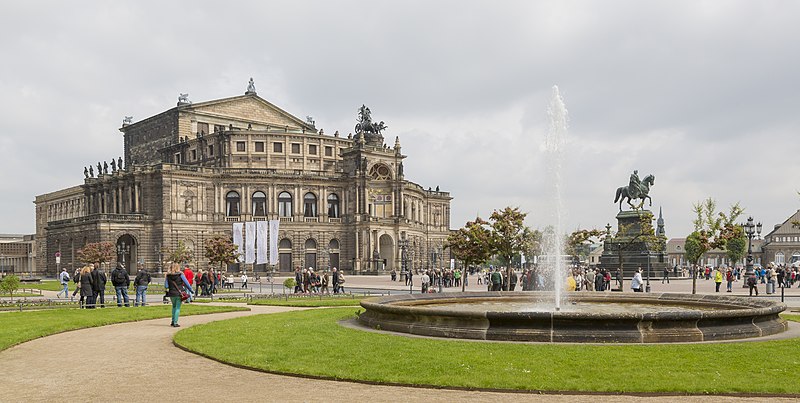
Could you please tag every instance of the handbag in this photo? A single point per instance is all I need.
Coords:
(184, 294)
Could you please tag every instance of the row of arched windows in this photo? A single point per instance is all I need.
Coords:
(259, 204)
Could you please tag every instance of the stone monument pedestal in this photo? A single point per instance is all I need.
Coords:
(634, 245)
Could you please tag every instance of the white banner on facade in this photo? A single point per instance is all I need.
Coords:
(522, 260)
(261, 241)
(238, 239)
(273, 241)
(452, 264)
(249, 242)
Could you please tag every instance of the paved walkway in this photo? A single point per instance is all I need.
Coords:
(138, 362)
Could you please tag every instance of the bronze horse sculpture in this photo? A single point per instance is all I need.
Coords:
(624, 192)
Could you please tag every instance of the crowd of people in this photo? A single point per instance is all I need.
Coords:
(91, 280)
(308, 281)
(773, 277)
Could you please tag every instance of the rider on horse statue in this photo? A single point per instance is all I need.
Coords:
(635, 187)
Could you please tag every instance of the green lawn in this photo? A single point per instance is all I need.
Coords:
(19, 327)
(309, 301)
(313, 343)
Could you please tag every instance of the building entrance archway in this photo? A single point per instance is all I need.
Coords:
(386, 246)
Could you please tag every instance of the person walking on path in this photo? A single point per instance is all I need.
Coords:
(189, 274)
(99, 280)
(325, 282)
(175, 283)
(636, 282)
(244, 280)
(64, 279)
(140, 283)
(86, 287)
(717, 278)
(666, 276)
(729, 277)
(121, 280)
(752, 282)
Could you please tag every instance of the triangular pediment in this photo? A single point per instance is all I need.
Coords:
(787, 227)
(249, 108)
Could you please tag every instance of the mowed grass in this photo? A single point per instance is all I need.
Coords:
(310, 301)
(19, 327)
(313, 343)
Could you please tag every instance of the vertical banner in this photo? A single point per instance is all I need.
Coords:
(238, 239)
(250, 242)
(273, 241)
(452, 264)
(261, 241)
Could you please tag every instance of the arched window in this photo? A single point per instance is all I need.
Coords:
(309, 205)
(780, 258)
(333, 205)
(285, 244)
(259, 204)
(232, 203)
(285, 204)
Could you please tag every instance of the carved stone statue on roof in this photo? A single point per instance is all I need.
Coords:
(251, 87)
(85, 172)
(119, 163)
(91, 172)
(113, 165)
(370, 130)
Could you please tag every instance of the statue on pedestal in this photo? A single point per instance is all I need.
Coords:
(636, 189)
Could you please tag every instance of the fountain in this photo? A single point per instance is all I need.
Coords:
(553, 263)
(598, 317)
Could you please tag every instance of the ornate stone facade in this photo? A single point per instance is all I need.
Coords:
(193, 170)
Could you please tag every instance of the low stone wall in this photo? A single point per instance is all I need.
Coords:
(721, 318)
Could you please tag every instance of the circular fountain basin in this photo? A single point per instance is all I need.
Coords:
(594, 317)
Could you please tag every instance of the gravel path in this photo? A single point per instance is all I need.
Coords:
(137, 362)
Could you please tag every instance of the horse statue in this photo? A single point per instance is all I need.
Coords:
(625, 192)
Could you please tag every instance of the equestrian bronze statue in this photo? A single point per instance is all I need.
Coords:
(636, 189)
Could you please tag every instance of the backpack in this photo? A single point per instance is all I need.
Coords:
(118, 276)
(65, 277)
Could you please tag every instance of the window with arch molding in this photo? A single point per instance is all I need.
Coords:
(285, 204)
(333, 205)
(259, 204)
(310, 205)
(780, 258)
(232, 200)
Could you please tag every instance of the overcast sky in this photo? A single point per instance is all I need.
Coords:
(704, 95)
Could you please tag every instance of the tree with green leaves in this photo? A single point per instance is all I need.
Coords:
(510, 236)
(472, 244)
(181, 254)
(713, 230)
(97, 253)
(578, 241)
(221, 250)
(9, 285)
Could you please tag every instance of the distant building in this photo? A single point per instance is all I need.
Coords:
(17, 255)
(782, 244)
(193, 170)
(676, 255)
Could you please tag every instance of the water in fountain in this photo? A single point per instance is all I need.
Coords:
(553, 242)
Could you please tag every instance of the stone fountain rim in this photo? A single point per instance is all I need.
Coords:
(730, 306)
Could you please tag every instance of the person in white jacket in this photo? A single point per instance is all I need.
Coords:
(636, 283)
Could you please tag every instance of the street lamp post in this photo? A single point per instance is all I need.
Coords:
(157, 250)
(750, 230)
(122, 249)
(404, 259)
